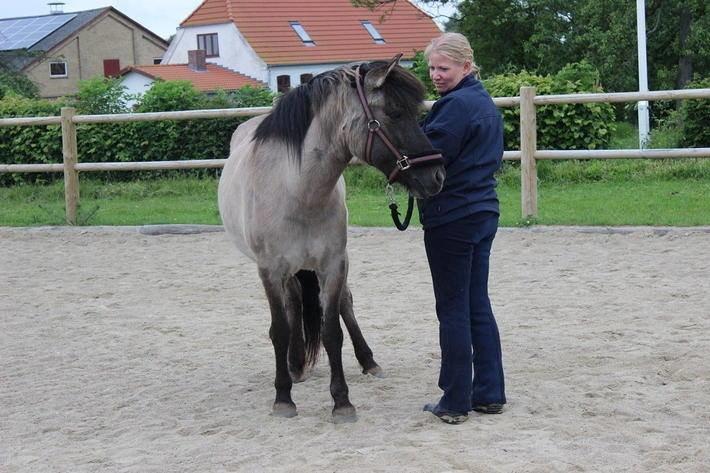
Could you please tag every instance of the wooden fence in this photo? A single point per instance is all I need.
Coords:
(528, 154)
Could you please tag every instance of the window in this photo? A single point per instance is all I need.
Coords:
(111, 67)
(157, 60)
(306, 77)
(58, 69)
(373, 32)
(301, 32)
(283, 84)
(208, 43)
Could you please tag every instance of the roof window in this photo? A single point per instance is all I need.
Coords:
(301, 32)
(376, 36)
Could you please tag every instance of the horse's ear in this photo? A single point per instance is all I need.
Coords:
(378, 76)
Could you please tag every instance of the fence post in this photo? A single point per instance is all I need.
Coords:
(528, 146)
(71, 176)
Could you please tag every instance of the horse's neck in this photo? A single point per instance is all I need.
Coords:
(324, 160)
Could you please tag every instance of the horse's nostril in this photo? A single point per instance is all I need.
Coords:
(440, 176)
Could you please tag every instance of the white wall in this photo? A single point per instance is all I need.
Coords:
(295, 71)
(136, 84)
(234, 52)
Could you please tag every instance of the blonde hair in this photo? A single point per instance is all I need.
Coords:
(454, 46)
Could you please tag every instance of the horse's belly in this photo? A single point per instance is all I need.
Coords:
(233, 194)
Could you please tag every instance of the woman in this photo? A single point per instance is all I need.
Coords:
(460, 224)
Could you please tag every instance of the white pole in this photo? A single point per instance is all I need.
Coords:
(644, 126)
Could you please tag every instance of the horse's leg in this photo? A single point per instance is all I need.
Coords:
(279, 333)
(296, 348)
(332, 284)
(362, 350)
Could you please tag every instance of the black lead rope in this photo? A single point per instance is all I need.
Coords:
(401, 226)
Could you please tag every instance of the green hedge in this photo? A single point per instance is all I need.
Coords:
(586, 126)
(29, 144)
(137, 141)
(695, 116)
(568, 126)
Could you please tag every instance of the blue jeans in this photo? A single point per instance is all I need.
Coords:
(471, 361)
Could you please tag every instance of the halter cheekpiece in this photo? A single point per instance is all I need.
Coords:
(374, 127)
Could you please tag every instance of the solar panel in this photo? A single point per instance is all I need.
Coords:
(18, 33)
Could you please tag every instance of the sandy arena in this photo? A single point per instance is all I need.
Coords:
(128, 350)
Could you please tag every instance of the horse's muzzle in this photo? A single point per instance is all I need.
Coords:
(428, 158)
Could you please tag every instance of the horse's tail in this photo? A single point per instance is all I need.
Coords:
(312, 314)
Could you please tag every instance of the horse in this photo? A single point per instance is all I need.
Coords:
(282, 202)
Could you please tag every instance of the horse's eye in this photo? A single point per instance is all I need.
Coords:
(394, 115)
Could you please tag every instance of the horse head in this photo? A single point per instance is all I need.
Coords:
(386, 133)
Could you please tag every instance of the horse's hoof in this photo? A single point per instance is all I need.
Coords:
(345, 414)
(283, 409)
(375, 371)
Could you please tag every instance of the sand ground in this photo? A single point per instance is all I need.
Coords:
(129, 350)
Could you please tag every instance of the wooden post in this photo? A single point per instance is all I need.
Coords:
(71, 176)
(528, 146)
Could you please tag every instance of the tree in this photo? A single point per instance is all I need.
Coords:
(385, 6)
(680, 43)
(542, 36)
(12, 80)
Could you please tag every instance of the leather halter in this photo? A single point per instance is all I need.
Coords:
(374, 127)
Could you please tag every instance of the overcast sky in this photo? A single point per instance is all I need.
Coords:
(160, 16)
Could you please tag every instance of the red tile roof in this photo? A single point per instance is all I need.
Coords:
(215, 77)
(334, 25)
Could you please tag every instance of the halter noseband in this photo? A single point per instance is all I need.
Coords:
(374, 127)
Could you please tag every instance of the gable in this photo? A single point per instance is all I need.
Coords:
(335, 27)
(54, 38)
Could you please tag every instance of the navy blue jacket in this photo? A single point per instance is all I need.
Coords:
(468, 129)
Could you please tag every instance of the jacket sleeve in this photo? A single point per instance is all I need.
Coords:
(447, 127)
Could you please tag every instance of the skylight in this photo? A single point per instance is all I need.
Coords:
(373, 32)
(301, 32)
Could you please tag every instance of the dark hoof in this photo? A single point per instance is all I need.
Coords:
(345, 414)
(375, 371)
(283, 409)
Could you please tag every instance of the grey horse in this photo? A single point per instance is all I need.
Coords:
(282, 202)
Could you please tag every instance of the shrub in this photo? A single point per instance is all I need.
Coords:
(560, 126)
(100, 95)
(420, 68)
(137, 141)
(169, 95)
(695, 115)
(29, 144)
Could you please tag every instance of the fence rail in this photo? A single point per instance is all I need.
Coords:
(528, 155)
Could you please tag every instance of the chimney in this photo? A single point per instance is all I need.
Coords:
(56, 8)
(197, 60)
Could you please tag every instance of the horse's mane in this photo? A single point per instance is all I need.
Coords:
(292, 115)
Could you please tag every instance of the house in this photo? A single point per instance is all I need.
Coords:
(203, 76)
(285, 42)
(55, 51)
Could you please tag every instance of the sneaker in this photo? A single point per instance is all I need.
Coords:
(449, 417)
(488, 408)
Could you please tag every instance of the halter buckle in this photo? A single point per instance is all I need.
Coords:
(403, 163)
(374, 125)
